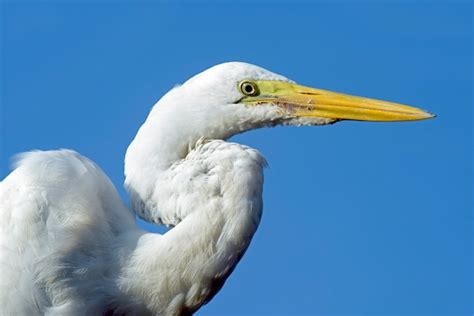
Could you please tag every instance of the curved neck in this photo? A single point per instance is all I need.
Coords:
(171, 131)
(184, 268)
(215, 219)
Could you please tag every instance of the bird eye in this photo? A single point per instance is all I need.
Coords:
(248, 88)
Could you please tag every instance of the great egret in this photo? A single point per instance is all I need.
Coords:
(69, 246)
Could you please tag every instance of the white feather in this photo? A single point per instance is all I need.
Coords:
(69, 246)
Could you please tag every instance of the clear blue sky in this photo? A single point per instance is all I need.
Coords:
(359, 218)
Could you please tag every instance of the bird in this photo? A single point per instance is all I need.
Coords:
(71, 246)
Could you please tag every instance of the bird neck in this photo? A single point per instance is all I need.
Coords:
(214, 218)
(214, 199)
(156, 147)
(188, 265)
(168, 135)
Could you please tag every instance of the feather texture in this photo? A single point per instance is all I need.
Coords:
(69, 246)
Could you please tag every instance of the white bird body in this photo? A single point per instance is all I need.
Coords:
(75, 228)
(69, 245)
(61, 219)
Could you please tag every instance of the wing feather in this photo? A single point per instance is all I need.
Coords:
(59, 212)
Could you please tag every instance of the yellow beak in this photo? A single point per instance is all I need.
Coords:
(301, 101)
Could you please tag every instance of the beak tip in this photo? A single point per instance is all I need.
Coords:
(430, 115)
(424, 115)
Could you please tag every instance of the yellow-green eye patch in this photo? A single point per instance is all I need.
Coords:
(248, 88)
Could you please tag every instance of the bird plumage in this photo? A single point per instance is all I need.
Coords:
(69, 245)
(61, 218)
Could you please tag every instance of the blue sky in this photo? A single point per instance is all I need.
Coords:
(359, 218)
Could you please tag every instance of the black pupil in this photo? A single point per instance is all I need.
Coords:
(248, 88)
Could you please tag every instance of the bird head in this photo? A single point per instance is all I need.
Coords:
(228, 99)
(233, 97)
